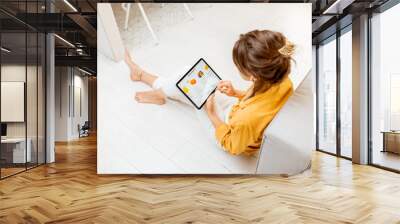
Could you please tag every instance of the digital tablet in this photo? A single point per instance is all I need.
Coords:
(198, 83)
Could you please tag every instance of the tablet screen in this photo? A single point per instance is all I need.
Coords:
(198, 83)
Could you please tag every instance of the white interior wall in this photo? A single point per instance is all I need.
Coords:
(12, 73)
(34, 125)
(67, 81)
(61, 103)
(79, 117)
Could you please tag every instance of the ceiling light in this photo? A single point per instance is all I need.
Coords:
(5, 50)
(65, 41)
(70, 5)
(84, 71)
(79, 51)
(338, 6)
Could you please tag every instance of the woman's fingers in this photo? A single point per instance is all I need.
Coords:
(222, 89)
(223, 84)
(220, 86)
(226, 87)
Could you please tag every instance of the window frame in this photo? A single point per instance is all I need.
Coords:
(27, 29)
(334, 37)
(381, 9)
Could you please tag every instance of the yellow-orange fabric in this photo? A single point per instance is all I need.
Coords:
(249, 117)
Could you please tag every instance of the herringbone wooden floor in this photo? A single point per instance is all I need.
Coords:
(69, 191)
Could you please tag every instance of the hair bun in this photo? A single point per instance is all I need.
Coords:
(288, 49)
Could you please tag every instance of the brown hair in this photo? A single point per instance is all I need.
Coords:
(264, 54)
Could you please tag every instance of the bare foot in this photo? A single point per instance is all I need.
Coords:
(136, 71)
(152, 97)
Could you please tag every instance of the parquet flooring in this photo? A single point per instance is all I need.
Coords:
(10, 171)
(70, 191)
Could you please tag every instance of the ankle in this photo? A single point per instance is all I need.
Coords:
(140, 74)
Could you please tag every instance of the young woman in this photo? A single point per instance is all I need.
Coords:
(262, 57)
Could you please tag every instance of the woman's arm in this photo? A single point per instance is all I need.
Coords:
(211, 112)
(227, 88)
(239, 93)
(234, 140)
(215, 120)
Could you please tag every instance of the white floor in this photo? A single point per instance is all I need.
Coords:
(386, 159)
(140, 138)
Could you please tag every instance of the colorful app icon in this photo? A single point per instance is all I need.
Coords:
(193, 81)
(185, 89)
(200, 74)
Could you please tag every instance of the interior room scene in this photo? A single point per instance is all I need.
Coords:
(22, 99)
(25, 65)
(59, 59)
(171, 152)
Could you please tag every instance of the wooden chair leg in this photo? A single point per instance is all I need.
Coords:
(188, 10)
(127, 8)
(147, 22)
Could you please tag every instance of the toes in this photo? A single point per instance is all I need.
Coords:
(161, 102)
(138, 99)
(137, 96)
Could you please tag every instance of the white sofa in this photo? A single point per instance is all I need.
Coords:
(289, 139)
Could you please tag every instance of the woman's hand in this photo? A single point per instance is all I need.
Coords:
(226, 88)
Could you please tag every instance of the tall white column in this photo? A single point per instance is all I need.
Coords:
(50, 99)
(360, 90)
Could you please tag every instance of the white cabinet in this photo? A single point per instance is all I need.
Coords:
(17, 148)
